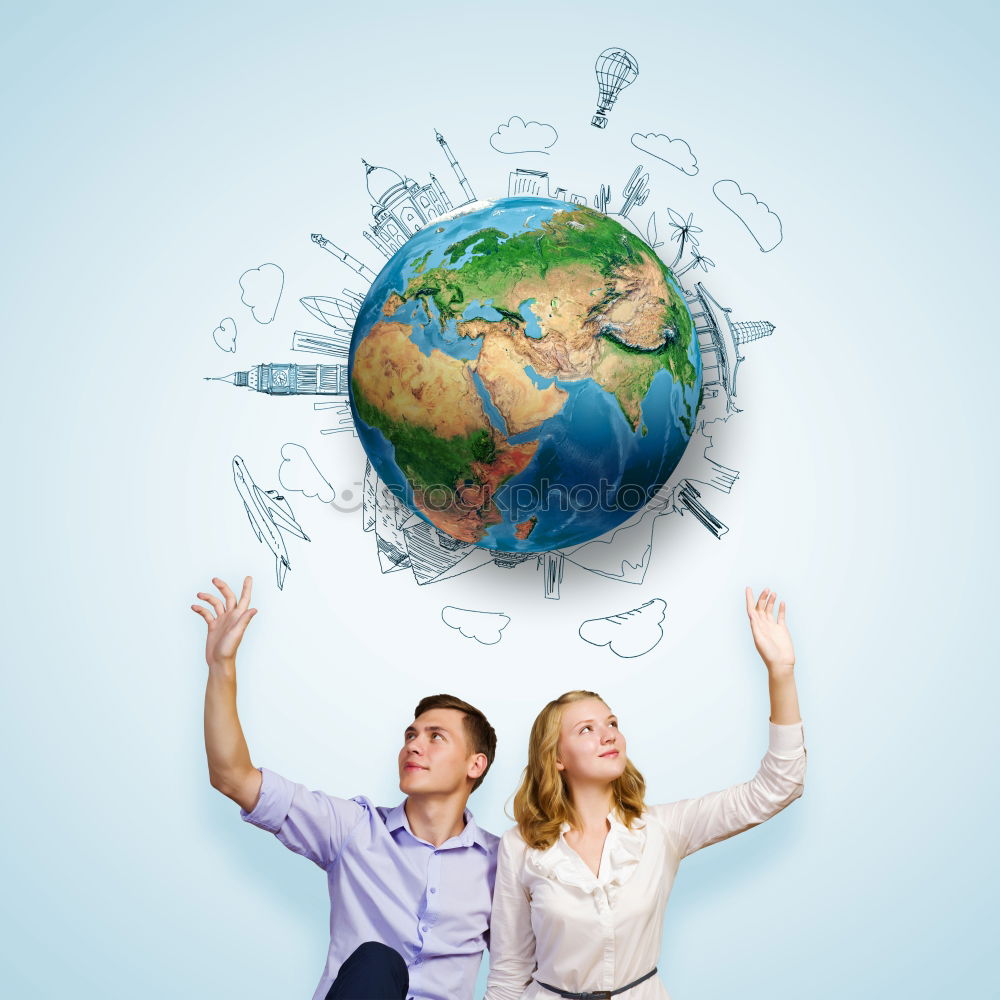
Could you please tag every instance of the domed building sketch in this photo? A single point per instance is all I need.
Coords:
(401, 206)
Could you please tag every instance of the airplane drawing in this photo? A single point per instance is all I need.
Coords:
(268, 511)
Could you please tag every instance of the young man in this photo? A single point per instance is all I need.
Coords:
(410, 887)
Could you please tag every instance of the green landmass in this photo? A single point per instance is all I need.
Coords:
(491, 240)
(421, 262)
(514, 317)
(635, 378)
(578, 236)
(426, 459)
(484, 449)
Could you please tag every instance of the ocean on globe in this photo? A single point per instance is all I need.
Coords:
(524, 374)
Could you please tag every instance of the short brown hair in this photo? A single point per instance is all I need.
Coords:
(479, 734)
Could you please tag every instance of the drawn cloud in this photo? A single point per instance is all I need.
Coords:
(519, 136)
(676, 152)
(762, 224)
(298, 474)
(261, 287)
(629, 633)
(483, 626)
(224, 335)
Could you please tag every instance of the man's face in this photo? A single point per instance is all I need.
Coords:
(436, 758)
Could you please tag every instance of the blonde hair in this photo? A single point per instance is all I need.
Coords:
(543, 803)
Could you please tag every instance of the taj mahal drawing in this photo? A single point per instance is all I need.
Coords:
(401, 206)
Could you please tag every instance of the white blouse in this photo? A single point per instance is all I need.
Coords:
(555, 922)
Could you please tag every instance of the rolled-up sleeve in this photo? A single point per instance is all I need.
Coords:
(699, 822)
(313, 824)
(512, 941)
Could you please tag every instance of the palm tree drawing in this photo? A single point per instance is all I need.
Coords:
(685, 230)
(698, 259)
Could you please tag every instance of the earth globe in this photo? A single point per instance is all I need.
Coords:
(524, 374)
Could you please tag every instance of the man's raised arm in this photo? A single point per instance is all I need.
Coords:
(230, 769)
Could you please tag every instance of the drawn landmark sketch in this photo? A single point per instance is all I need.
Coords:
(719, 339)
(528, 182)
(290, 379)
(342, 410)
(406, 541)
(402, 207)
(536, 182)
(363, 271)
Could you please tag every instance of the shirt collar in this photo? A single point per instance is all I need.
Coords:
(471, 834)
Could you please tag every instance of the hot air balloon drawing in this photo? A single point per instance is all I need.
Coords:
(615, 69)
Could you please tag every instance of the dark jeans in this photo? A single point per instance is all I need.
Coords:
(373, 971)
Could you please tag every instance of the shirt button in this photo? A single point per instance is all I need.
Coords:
(433, 890)
(423, 927)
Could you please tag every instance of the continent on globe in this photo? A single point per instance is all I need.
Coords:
(525, 375)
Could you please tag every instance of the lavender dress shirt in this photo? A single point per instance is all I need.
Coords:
(432, 904)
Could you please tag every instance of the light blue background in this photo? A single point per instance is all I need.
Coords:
(152, 153)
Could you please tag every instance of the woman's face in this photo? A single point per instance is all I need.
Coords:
(591, 746)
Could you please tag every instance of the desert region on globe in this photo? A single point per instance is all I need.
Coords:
(524, 374)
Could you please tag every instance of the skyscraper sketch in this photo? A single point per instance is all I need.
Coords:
(551, 564)
(562, 194)
(332, 310)
(536, 182)
(337, 345)
(362, 270)
(524, 182)
(342, 410)
(689, 498)
(752, 330)
(453, 163)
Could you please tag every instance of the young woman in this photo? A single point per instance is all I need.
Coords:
(583, 879)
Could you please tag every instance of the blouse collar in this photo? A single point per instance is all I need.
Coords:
(621, 856)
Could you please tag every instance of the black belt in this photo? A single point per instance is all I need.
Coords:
(596, 994)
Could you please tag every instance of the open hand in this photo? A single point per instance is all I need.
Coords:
(772, 638)
(227, 625)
